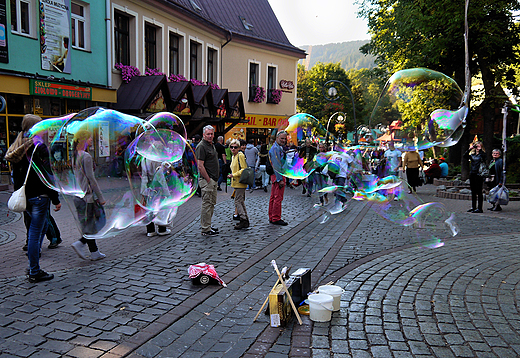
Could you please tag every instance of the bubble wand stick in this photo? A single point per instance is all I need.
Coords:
(284, 270)
(286, 291)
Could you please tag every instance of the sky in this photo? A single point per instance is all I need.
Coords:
(319, 22)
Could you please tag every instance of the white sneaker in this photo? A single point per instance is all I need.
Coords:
(79, 247)
(151, 234)
(167, 232)
(94, 256)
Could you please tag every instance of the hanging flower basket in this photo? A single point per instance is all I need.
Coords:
(259, 95)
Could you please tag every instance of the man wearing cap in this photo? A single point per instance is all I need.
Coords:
(444, 167)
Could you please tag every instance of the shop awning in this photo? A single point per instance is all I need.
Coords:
(144, 94)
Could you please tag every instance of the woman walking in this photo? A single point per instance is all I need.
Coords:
(89, 208)
(412, 162)
(238, 164)
(476, 156)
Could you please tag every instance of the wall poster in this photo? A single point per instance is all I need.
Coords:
(4, 54)
(55, 35)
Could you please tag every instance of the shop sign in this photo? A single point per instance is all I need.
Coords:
(286, 85)
(263, 121)
(4, 54)
(53, 89)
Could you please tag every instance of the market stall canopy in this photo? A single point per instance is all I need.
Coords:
(144, 94)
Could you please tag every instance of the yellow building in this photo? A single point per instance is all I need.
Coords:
(230, 43)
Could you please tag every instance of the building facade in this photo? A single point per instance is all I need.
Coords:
(53, 61)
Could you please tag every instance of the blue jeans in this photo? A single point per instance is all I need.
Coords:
(37, 209)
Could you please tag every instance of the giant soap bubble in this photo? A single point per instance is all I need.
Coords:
(426, 107)
(139, 170)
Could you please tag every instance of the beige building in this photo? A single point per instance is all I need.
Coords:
(239, 47)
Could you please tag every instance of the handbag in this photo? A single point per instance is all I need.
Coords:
(483, 170)
(18, 201)
(247, 176)
(96, 218)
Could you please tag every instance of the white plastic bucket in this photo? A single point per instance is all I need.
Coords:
(335, 292)
(320, 307)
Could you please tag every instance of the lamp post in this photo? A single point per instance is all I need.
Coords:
(332, 95)
(341, 119)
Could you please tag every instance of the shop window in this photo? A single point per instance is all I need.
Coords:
(122, 38)
(80, 25)
(254, 79)
(18, 104)
(150, 46)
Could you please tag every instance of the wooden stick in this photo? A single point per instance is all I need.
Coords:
(287, 292)
(267, 298)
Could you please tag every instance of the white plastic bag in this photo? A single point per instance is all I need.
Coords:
(18, 202)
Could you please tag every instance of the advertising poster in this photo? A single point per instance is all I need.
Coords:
(4, 55)
(55, 35)
(103, 139)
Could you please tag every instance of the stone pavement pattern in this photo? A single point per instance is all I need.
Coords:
(140, 303)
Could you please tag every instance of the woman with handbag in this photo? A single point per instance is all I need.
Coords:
(238, 164)
(496, 175)
(91, 214)
(38, 195)
(477, 158)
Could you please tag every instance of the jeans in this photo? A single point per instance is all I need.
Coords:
(340, 193)
(475, 183)
(263, 175)
(37, 209)
(254, 176)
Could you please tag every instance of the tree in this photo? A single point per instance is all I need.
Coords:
(310, 93)
(422, 33)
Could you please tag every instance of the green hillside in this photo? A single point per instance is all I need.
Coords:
(345, 52)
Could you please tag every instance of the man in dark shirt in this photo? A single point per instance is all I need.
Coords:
(221, 152)
(207, 161)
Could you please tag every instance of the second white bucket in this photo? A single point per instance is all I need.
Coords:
(320, 307)
(335, 292)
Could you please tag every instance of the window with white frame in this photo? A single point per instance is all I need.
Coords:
(271, 83)
(80, 13)
(22, 14)
(150, 46)
(212, 65)
(175, 49)
(195, 60)
(122, 38)
(254, 79)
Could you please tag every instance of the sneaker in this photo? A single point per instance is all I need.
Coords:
(209, 233)
(477, 211)
(94, 256)
(79, 247)
(279, 222)
(167, 232)
(151, 234)
(471, 210)
(215, 229)
(236, 217)
(218, 188)
(40, 276)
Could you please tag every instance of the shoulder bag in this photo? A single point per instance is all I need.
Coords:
(18, 201)
(483, 170)
(247, 176)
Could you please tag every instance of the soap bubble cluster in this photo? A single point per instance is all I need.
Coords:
(141, 170)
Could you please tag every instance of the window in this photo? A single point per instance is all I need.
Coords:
(254, 74)
(150, 46)
(174, 54)
(21, 14)
(271, 83)
(80, 31)
(195, 60)
(122, 38)
(212, 65)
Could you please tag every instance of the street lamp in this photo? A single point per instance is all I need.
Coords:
(332, 95)
(340, 119)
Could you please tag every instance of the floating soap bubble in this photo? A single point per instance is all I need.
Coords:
(109, 148)
(295, 164)
(426, 107)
